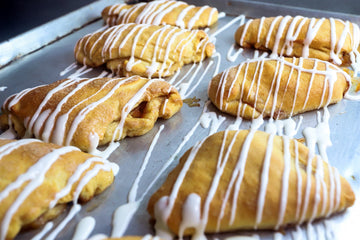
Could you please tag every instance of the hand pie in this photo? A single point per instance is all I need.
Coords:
(175, 13)
(326, 39)
(89, 112)
(278, 88)
(145, 50)
(37, 179)
(236, 180)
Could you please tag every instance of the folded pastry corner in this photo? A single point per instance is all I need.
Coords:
(327, 39)
(87, 113)
(38, 179)
(235, 180)
(142, 49)
(278, 88)
(175, 13)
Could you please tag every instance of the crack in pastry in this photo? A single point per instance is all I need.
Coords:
(175, 13)
(37, 179)
(90, 112)
(327, 39)
(278, 88)
(142, 49)
(246, 179)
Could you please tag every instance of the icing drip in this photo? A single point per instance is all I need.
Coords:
(84, 228)
(2, 88)
(240, 18)
(48, 226)
(233, 57)
(68, 69)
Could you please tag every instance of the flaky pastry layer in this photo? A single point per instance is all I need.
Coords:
(278, 88)
(175, 13)
(245, 179)
(37, 179)
(327, 39)
(142, 49)
(90, 112)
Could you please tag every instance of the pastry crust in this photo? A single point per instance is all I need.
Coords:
(32, 173)
(145, 50)
(90, 112)
(175, 13)
(274, 88)
(218, 183)
(330, 39)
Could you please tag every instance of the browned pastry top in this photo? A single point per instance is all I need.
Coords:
(326, 39)
(142, 49)
(37, 179)
(278, 88)
(247, 179)
(90, 112)
(175, 13)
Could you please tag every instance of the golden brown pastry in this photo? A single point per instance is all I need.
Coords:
(278, 88)
(326, 39)
(90, 112)
(37, 179)
(142, 49)
(245, 179)
(175, 13)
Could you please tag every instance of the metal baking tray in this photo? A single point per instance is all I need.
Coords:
(30, 67)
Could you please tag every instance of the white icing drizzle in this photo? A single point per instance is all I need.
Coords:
(100, 236)
(124, 213)
(68, 69)
(199, 79)
(122, 217)
(155, 11)
(84, 228)
(252, 237)
(233, 57)
(35, 175)
(330, 74)
(218, 55)
(48, 226)
(240, 18)
(290, 27)
(278, 236)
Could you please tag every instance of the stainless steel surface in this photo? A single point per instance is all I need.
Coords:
(45, 65)
(45, 34)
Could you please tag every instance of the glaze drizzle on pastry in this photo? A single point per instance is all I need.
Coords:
(175, 13)
(143, 49)
(278, 88)
(326, 39)
(193, 210)
(61, 116)
(33, 177)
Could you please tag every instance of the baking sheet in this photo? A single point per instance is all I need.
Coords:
(45, 66)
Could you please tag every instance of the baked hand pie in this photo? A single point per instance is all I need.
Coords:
(326, 39)
(89, 112)
(142, 49)
(175, 13)
(38, 179)
(277, 88)
(245, 179)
